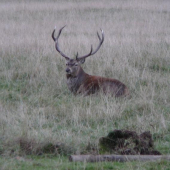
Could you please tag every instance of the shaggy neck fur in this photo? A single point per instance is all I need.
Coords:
(74, 82)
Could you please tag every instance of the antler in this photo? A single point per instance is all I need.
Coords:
(91, 51)
(56, 42)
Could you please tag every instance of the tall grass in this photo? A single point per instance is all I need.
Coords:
(35, 102)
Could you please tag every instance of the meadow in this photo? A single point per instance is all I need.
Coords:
(36, 107)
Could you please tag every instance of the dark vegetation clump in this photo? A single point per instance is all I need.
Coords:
(121, 142)
(125, 142)
(29, 147)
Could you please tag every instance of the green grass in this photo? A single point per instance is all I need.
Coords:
(62, 163)
(35, 103)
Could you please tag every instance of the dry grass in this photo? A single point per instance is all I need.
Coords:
(34, 100)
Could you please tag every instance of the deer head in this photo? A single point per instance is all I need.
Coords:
(73, 66)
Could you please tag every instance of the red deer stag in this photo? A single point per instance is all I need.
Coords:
(80, 82)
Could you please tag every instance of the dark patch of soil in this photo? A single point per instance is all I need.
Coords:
(127, 142)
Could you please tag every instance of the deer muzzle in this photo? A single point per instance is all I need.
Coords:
(68, 70)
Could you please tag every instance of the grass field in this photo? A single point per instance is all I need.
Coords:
(35, 104)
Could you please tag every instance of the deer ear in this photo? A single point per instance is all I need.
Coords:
(81, 61)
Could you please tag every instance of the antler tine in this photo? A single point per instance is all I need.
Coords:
(59, 32)
(91, 51)
(56, 42)
(98, 36)
(53, 35)
(77, 55)
(100, 41)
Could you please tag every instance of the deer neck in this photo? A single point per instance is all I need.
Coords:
(74, 82)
